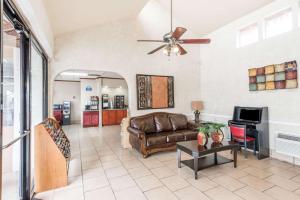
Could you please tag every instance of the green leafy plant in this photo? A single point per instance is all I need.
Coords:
(209, 128)
(204, 129)
(215, 127)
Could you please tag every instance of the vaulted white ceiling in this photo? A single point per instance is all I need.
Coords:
(205, 16)
(71, 15)
(201, 16)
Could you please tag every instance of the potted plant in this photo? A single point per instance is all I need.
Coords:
(212, 130)
(203, 135)
(216, 133)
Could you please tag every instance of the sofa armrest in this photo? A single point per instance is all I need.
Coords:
(192, 125)
(140, 134)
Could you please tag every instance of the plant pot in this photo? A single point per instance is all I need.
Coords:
(217, 137)
(202, 139)
(216, 144)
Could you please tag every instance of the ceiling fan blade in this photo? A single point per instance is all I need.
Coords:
(157, 49)
(179, 31)
(195, 41)
(182, 51)
(151, 41)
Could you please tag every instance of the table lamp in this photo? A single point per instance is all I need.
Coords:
(197, 106)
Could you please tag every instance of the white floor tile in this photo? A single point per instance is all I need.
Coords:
(121, 183)
(161, 193)
(148, 182)
(95, 183)
(190, 193)
(103, 193)
(115, 172)
(133, 193)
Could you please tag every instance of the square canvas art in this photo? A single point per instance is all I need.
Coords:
(272, 77)
(155, 92)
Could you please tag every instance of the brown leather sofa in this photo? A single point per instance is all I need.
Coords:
(159, 132)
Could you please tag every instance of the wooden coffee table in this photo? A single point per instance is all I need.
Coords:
(205, 156)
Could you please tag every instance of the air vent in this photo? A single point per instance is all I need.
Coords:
(288, 144)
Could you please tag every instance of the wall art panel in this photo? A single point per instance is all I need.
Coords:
(272, 77)
(155, 92)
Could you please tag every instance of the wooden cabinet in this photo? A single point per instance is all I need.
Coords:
(120, 114)
(90, 118)
(105, 117)
(95, 119)
(86, 119)
(113, 117)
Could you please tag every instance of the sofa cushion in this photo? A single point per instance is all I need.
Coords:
(162, 122)
(178, 121)
(156, 139)
(144, 123)
(175, 137)
(189, 134)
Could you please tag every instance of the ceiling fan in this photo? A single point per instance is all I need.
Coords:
(173, 40)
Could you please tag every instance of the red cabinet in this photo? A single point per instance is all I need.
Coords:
(113, 117)
(58, 115)
(90, 118)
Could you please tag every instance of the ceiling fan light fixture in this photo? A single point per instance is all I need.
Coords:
(167, 50)
(175, 49)
(172, 40)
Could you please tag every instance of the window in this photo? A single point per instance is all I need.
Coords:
(279, 23)
(248, 35)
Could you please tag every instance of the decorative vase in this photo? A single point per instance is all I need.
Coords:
(217, 137)
(202, 139)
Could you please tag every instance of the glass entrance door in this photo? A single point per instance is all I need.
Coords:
(23, 102)
(11, 155)
(36, 105)
(15, 108)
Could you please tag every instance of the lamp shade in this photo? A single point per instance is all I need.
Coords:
(197, 105)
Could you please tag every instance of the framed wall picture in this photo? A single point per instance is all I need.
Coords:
(154, 92)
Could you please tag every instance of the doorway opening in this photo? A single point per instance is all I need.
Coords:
(90, 98)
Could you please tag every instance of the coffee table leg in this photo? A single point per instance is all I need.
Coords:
(196, 167)
(179, 158)
(235, 157)
(216, 158)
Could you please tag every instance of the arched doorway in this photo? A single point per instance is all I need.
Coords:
(79, 96)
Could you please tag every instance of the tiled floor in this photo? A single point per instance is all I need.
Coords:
(101, 169)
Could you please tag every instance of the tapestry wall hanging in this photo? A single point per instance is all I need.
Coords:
(154, 92)
(274, 77)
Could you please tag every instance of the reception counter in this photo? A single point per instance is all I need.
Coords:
(90, 118)
(113, 116)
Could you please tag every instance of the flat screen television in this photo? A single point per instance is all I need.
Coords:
(250, 115)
